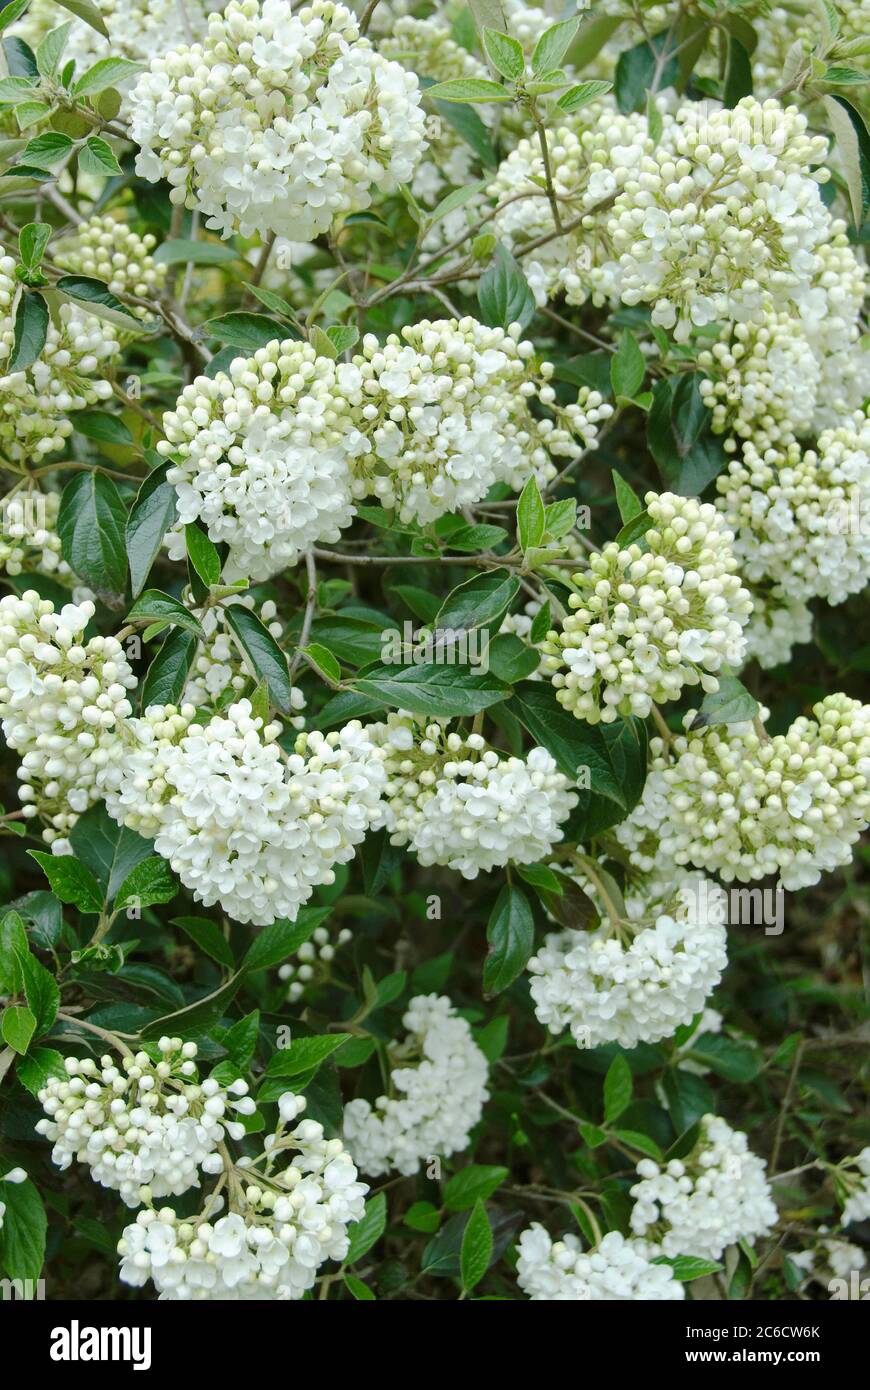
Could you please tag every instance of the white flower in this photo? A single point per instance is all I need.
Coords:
(729, 802)
(436, 1099)
(717, 1195)
(459, 803)
(108, 250)
(639, 979)
(272, 1241)
(857, 1204)
(67, 376)
(137, 1123)
(648, 621)
(241, 824)
(277, 122)
(802, 517)
(615, 1270)
(778, 623)
(63, 703)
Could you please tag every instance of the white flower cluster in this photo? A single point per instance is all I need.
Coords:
(29, 542)
(616, 1270)
(717, 1195)
(831, 1259)
(647, 621)
(778, 623)
(638, 978)
(260, 455)
(790, 372)
(62, 701)
(240, 822)
(446, 414)
(801, 516)
(219, 671)
(459, 803)
(592, 155)
(109, 250)
(277, 122)
(732, 802)
(425, 47)
(857, 1204)
(314, 959)
(676, 240)
(35, 403)
(281, 1228)
(140, 1123)
(437, 1091)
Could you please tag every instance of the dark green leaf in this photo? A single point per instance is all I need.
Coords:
(511, 936)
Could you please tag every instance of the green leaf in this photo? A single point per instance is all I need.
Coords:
(70, 880)
(627, 500)
(582, 94)
(503, 293)
(357, 1289)
(343, 336)
(849, 127)
(167, 675)
(13, 948)
(50, 50)
(17, 1027)
(324, 660)
(572, 742)
(162, 607)
(687, 1267)
(738, 74)
(106, 429)
(20, 58)
(469, 89)
(731, 704)
(177, 251)
(476, 1250)
(456, 198)
(91, 524)
(31, 331)
(197, 1017)
(735, 1061)
(511, 659)
(553, 44)
(274, 944)
(437, 689)
(640, 1141)
(32, 241)
(96, 157)
(22, 1235)
(636, 68)
(627, 367)
(86, 10)
(510, 933)
(263, 652)
(150, 882)
(14, 90)
(365, 1233)
(473, 1184)
(680, 439)
(108, 72)
(468, 125)
(845, 77)
(41, 992)
(634, 530)
(109, 850)
(422, 1216)
(480, 602)
(246, 331)
(303, 1054)
(98, 297)
(617, 1089)
(46, 149)
(208, 937)
(530, 515)
(11, 12)
(34, 1070)
(151, 516)
(505, 54)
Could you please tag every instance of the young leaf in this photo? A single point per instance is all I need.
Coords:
(96, 157)
(553, 45)
(617, 1089)
(167, 675)
(730, 704)
(150, 882)
(627, 367)
(17, 1027)
(469, 89)
(530, 515)
(504, 294)
(505, 54)
(627, 500)
(581, 95)
(366, 1232)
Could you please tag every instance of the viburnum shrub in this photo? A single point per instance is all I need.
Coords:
(435, 521)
